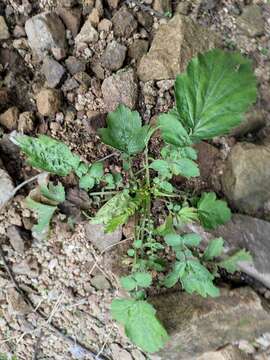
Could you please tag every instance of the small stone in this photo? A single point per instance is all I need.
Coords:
(124, 23)
(9, 119)
(83, 78)
(17, 305)
(58, 53)
(45, 31)
(100, 282)
(120, 88)
(138, 48)
(26, 122)
(145, 19)
(88, 34)
(70, 84)
(105, 25)
(71, 18)
(68, 3)
(113, 4)
(114, 56)
(18, 237)
(98, 70)
(251, 21)
(6, 188)
(19, 31)
(95, 233)
(53, 72)
(4, 33)
(119, 353)
(246, 177)
(94, 17)
(48, 102)
(74, 65)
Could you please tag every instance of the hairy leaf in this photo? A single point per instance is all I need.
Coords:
(48, 154)
(231, 263)
(125, 131)
(214, 92)
(214, 249)
(213, 212)
(141, 324)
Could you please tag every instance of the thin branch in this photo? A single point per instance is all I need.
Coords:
(109, 156)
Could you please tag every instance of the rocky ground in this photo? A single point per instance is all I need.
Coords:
(63, 65)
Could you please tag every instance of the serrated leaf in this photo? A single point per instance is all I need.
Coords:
(167, 227)
(128, 282)
(175, 153)
(162, 167)
(125, 131)
(44, 215)
(173, 240)
(185, 167)
(213, 212)
(191, 239)
(188, 214)
(176, 274)
(48, 154)
(141, 324)
(214, 249)
(56, 193)
(214, 92)
(231, 263)
(143, 279)
(172, 131)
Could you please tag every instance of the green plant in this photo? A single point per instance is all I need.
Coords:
(211, 98)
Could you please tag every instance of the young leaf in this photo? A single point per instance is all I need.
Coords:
(125, 131)
(162, 167)
(143, 279)
(172, 131)
(55, 193)
(167, 227)
(87, 182)
(141, 325)
(187, 214)
(214, 249)
(231, 263)
(214, 92)
(48, 154)
(213, 212)
(128, 282)
(191, 239)
(44, 214)
(185, 167)
(96, 170)
(173, 240)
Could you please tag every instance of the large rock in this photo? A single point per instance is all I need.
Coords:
(251, 21)
(88, 34)
(246, 177)
(173, 46)
(96, 235)
(45, 32)
(6, 188)
(124, 23)
(197, 325)
(4, 33)
(120, 88)
(114, 56)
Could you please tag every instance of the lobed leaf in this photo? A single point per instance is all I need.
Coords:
(214, 249)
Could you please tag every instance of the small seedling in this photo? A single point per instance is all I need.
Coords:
(211, 98)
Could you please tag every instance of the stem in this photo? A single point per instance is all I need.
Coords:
(108, 156)
(103, 193)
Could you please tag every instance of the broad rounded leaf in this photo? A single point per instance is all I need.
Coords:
(143, 279)
(128, 282)
(214, 249)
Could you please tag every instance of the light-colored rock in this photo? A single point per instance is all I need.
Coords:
(94, 17)
(45, 31)
(173, 47)
(197, 325)
(114, 56)
(16, 239)
(124, 23)
(105, 25)
(26, 122)
(251, 21)
(53, 71)
(228, 353)
(96, 235)
(4, 33)
(120, 353)
(246, 177)
(17, 305)
(6, 188)
(9, 119)
(48, 102)
(88, 34)
(100, 282)
(120, 88)
(74, 65)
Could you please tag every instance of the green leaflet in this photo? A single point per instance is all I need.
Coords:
(117, 210)
(214, 92)
(141, 279)
(172, 131)
(48, 154)
(125, 131)
(212, 212)
(231, 263)
(179, 241)
(55, 193)
(214, 249)
(141, 325)
(92, 177)
(167, 168)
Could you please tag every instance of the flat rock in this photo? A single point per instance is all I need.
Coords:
(101, 240)
(6, 188)
(45, 31)
(48, 102)
(246, 176)
(9, 119)
(251, 21)
(4, 33)
(88, 34)
(197, 325)
(124, 23)
(53, 71)
(114, 56)
(120, 88)
(164, 61)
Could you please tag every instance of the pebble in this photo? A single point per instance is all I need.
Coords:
(48, 102)
(9, 119)
(124, 23)
(53, 72)
(88, 34)
(74, 65)
(4, 32)
(114, 56)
